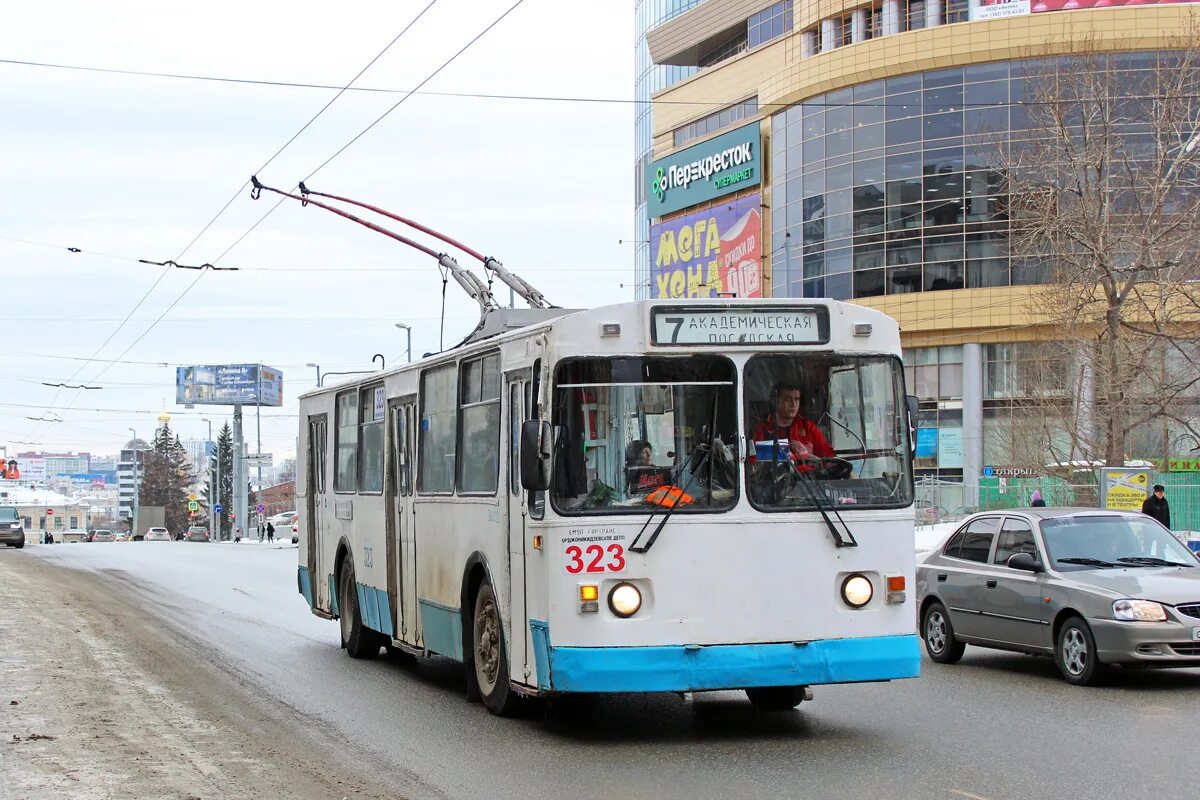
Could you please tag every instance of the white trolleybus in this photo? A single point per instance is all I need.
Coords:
(653, 496)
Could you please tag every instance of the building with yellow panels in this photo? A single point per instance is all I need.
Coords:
(837, 149)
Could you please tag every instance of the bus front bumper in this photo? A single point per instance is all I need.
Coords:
(684, 668)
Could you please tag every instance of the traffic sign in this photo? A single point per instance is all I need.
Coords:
(193, 505)
(49, 512)
(217, 508)
(260, 508)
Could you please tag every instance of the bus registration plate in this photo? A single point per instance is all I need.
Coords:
(594, 558)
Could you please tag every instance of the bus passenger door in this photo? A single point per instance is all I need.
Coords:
(317, 445)
(518, 411)
(402, 574)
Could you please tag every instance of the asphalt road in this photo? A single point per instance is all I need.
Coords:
(994, 726)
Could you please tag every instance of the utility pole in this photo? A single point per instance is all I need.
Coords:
(258, 427)
(239, 472)
(318, 369)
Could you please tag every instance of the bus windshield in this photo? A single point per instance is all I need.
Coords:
(826, 429)
(635, 434)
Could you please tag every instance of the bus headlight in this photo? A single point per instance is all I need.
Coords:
(624, 600)
(857, 591)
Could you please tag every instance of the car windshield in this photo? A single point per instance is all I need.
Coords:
(828, 427)
(634, 434)
(1102, 542)
(8, 515)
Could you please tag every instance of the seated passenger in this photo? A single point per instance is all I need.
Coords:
(641, 474)
(805, 439)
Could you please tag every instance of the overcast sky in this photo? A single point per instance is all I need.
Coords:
(135, 167)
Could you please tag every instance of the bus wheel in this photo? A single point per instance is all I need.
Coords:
(359, 641)
(490, 661)
(776, 698)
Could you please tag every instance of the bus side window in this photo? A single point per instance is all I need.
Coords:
(438, 428)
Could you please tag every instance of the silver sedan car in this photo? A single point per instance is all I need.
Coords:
(1091, 588)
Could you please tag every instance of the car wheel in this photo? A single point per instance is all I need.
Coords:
(776, 698)
(1075, 654)
(20, 544)
(359, 640)
(489, 656)
(938, 633)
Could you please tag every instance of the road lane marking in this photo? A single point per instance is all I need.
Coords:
(967, 795)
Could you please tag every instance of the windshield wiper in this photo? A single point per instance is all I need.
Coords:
(1151, 561)
(1090, 562)
(633, 547)
(842, 537)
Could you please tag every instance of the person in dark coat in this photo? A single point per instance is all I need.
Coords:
(270, 532)
(1036, 500)
(1156, 506)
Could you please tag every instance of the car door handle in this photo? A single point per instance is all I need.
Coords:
(941, 577)
(991, 584)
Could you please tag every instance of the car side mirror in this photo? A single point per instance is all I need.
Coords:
(1024, 562)
(536, 439)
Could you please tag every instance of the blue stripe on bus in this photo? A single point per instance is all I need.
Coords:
(385, 612)
(441, 627)
(333, 599)
(680, 669)
(540, 630)
(305, 582)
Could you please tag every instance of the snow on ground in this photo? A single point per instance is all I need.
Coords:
(247, 579)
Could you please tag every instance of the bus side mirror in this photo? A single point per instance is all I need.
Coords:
(536, 438)
(913, 404)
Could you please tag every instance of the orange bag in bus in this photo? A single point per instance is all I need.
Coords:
(669, 497)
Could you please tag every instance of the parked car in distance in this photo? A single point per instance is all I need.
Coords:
(1091, 588)
(12, 527)
(157, 535)
(197, 533)
(102, 535)
(74, 535)
(121, 536)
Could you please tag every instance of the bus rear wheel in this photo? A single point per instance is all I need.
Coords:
(359, 640)
(776, 698)
(489, 657)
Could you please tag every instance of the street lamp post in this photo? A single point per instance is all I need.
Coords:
(214, 489)
(408, 335)
(317, 367)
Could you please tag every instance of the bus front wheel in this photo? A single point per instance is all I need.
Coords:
(489, 657)
(359, 641)
(776, 698)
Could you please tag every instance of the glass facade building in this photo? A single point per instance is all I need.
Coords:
(883, 122)
(648, 78)
(889, 187)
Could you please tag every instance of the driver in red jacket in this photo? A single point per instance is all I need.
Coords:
(804, 437)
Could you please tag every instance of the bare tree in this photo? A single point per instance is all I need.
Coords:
(1104, 193)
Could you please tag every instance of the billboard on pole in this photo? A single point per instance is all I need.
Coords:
(228, 385)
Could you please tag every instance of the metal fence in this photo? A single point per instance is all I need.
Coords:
(942, 501)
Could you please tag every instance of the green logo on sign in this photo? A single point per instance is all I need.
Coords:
(660, 184)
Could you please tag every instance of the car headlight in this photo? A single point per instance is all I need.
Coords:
(857, 591)
(624, 600)
(1139, 611)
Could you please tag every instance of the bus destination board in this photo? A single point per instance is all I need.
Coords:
(718, 326)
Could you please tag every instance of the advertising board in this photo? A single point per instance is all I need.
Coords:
(229, 384)
(711, 253)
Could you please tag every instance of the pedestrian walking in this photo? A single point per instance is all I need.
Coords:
(1036, 500)
(1156, 505)
(270, 532)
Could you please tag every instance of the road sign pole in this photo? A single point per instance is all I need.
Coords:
(258, 425)
(240, 500)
